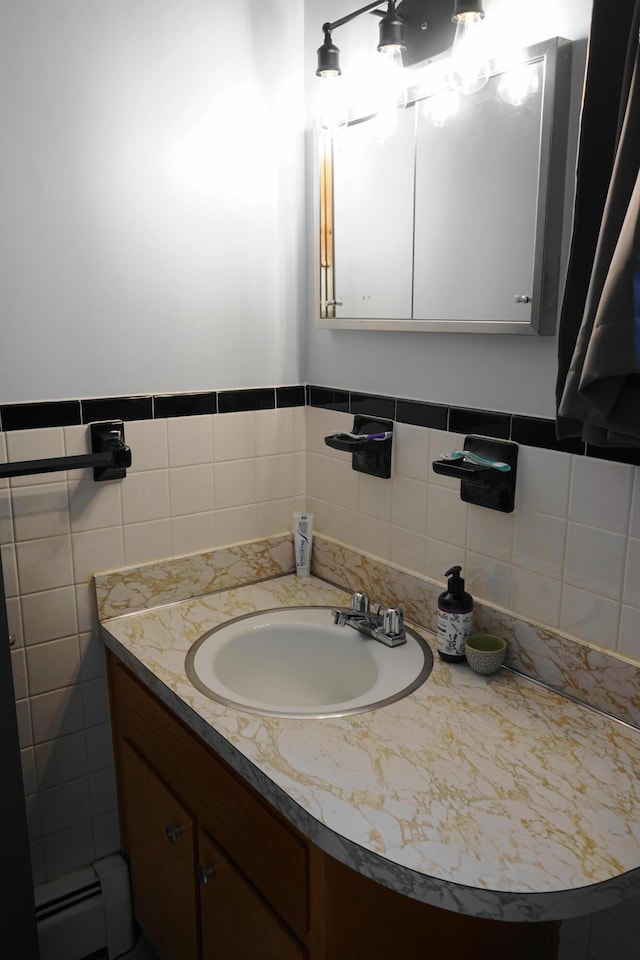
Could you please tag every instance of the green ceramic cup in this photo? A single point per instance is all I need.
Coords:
(485, 652)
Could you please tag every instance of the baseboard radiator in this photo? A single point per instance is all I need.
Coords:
(86, 911)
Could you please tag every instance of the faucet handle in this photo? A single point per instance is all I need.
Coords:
(393, 622)
(361, 602)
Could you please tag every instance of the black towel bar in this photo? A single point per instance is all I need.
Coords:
(110, 456)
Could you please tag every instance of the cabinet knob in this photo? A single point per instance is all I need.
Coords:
(203, 874)
(173, 833)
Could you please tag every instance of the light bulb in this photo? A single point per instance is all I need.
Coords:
(469, 65)
(518, 83)
(331, 110)
(441, 107)
(391, 90)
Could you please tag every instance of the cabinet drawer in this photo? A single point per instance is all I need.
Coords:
(247, 828)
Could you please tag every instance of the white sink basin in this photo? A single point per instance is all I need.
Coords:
(295, 662)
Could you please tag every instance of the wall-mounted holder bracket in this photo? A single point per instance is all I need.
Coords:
(486, 486)
(109, 458)
(369, 443)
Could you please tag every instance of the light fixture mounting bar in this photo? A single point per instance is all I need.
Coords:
(352, 16)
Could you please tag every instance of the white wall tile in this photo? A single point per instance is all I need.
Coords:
(409, 549)
(320, 423)
(235, 524)
(19, 671)
(441, 556)
(299, 474)
(6, 514)
(629, 632)
(409, 504)
(103, 791)
(44, 564)
(274, 431)
(487, 579)
(543, 481)
(234, 483)
(191, 490)
(68, 850)
(274, 517)
(234, 436)
(631, 590)
(535, 597)
(190, 440)
(14, 618)
(634, 524)
(274, 477)
(65, 806)
(49, 615)
(92, 659)
(589, 618)
(144, 542)
(601, 494)
(9, 569)
(334, 521)
(411, 452)
(61, 760)
(86, 607)
(595, 560)
(77, 443)
(35, 445)
(94, 505)
(25, 726)
(106, 834)
(28, 764)
(41, 511)
(332, 480)
(193, 533)
(96, 551)
(53, 665)
(490, 532)
(57, 714)
(145, 496)
(95, 701)
(99, 747)
(446, 516)
(374, 496)
(374, 536)
(148, 442)
(299, 425)
(539, 542)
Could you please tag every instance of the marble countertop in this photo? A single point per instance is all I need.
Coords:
(490, 796)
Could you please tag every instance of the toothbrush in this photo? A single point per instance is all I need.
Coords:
(364, 436)
(477, 459)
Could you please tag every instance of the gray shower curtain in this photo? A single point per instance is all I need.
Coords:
(598, 387)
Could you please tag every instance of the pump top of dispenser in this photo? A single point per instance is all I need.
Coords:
(455, 582)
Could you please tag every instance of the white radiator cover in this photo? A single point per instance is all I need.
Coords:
(86, 911)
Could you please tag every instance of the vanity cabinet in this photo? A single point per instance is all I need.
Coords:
(218, 874)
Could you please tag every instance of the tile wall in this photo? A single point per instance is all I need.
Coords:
(196, 482)
(569, 557)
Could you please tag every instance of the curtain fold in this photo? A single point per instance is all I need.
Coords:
(598, 386)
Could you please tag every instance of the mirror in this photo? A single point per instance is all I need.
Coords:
(451, 224)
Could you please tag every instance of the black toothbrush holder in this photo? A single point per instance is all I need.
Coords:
(369, 443)
(487, 471)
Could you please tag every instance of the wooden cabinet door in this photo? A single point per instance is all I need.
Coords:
(161, 836)
(236, 923)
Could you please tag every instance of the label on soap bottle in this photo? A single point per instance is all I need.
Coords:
(453, 629)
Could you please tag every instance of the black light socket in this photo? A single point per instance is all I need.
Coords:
(328, 56)
(391, 29)
(467, 6)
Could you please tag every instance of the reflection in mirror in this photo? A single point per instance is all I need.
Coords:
(454, 222)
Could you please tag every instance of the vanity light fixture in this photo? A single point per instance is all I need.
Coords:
(412, 31)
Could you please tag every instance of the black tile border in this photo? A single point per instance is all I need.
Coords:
(184, 405)
(32, 416)
(527, 431)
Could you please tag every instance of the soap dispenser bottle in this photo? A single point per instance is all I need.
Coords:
(455, 618)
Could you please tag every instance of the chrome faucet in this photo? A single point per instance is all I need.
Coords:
(385, 625)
